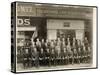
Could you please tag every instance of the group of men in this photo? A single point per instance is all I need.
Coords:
(56, 52)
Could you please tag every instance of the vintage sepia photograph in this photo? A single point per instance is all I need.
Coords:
(51, 37)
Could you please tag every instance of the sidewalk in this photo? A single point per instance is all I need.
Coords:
(58, 67)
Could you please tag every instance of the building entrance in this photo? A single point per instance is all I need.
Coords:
(65, 28)
(66, 33)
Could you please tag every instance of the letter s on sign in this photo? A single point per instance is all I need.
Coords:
(26, 21)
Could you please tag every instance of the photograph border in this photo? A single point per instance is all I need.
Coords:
(61, 69)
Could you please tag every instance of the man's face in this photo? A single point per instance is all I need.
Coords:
(47, 40)
(64, 48)
(63, 39)
(42, 40)
(74, 49)
(85, 38)
(35, 49)
(79, 48)
(73, 38)
(47, 50)
(67, 38)
(41, 49)
(37, 39)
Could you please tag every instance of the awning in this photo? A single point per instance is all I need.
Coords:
(26, 28)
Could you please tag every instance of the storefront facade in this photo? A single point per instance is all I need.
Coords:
(51, 21)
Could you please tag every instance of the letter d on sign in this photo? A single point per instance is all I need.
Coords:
(20, 21)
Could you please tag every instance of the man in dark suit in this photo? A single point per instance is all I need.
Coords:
(75, 56)
(84, 54)
(79, 55)
(52, 57)
(35, 57)
(41, 57)
(70, 54)
(89, 54)
(26, 56)
(38, 45)
(48, 56)
(58, 53)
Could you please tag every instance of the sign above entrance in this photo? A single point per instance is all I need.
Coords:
(66, 24)
(37, 10)
(23, 22)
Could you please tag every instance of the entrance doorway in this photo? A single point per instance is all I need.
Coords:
(66, 33)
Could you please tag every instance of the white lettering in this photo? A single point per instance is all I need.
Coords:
(23, 21)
